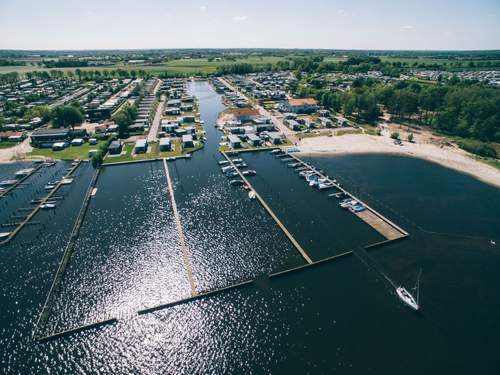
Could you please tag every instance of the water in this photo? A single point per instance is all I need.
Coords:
(337, 317)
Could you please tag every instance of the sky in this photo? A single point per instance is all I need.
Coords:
(329, 24)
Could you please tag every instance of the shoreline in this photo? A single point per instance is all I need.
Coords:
(448, 157)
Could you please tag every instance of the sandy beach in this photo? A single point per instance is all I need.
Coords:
(424, 147)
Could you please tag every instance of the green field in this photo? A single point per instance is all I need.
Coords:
(7, 144)
(188, 66)
(69, 153)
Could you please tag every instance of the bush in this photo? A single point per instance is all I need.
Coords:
(395, 135)
(477, 147)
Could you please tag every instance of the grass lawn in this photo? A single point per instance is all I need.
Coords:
(7, 144)
(69, 153)
(129, 156)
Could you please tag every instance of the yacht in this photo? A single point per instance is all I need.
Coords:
(251, 194)
(407, 298)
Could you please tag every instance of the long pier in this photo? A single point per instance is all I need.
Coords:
(68, 252)
(375, 219)
(38, 207)
(186, 257)
(272, 214)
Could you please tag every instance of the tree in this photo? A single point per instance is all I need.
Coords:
(410, 137)
(66, 116)
(395, 135)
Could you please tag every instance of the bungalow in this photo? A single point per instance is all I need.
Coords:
(326, 122)
(246, 115)
(141, 146)
(173, 111)
(174, 103)
(187, 141)
(12, 136)
(306, 105)
(58, 146)
(275, 138)
(188, 119)
(115, 148)
(293, 125)
(254, 140)
(165, 144)
(180, 132)
(234, 141)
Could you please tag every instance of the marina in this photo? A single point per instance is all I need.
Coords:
(127, 278)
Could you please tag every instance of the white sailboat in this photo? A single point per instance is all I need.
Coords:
(407, 297)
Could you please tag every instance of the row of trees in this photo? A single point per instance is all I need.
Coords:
(81, 74)
(464, 109)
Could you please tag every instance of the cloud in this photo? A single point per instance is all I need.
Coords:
(341, 12)
(240, 18)
(407, 27)
(203, 8)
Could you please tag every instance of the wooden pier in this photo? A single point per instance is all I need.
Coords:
(20, 181)
(38, 207)
(271, 213)
(370, 216)
(186, 257)
(68, 252)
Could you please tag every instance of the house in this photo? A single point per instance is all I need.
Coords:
(254, 140)
(187, 141)
(115, 148)
(12, 136)
(326, 122)
(306, 105)
(293, 125)
(245, 115)
(165, 144)
(173, 111)
(174, 103)
(275, 138)
(45, 137)
(234, 141)
(188, 119)
(141, 146)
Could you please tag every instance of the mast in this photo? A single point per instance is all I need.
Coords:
(417, 285)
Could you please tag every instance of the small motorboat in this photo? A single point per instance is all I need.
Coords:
(48, 206)
(223, 162)
(237, 160)
(237, 182)
(49, 187)
(251, 194)
(8, 182)
(250, 172)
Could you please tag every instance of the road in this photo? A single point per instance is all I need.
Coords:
(69, 97)
(153, 130)
(290, 134)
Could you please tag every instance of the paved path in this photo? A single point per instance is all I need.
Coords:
(155, 126)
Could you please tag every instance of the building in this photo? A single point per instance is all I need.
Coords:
(115, 148)
(234, 141)
(254, 140)
(165, 144)
(141, 146)
(45, 137)
(306, 105)
(275, 138)
(187, 141)
(245, 115)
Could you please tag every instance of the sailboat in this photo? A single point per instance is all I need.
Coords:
(407, 297)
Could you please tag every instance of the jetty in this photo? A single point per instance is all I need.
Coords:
(68, 252)
(39, 203)
(299, 248)
(186, 256)
(20, 181)
(370, 216)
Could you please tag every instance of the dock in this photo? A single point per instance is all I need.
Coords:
(370, 216)
(68, 252)
(299, 248)
(20, 181)
(38, 207)
(186, 256)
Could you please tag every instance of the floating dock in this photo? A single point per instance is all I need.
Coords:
(20, 181)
